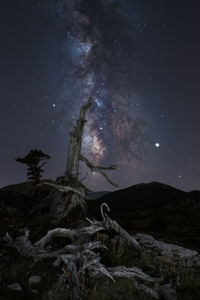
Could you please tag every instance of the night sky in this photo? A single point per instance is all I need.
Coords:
(140, 62)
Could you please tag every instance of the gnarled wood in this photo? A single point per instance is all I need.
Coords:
(62, 202)
(64, 189)
(64, 198)
(112, 225)
(78, 256)
(99, 169)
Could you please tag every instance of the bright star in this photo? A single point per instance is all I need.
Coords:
(157, 145)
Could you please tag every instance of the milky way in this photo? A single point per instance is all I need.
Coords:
(138, 60)
(100, 64)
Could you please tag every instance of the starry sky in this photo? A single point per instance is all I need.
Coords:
(140, 62)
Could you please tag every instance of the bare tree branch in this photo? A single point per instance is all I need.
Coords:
(99, 169)
(84, 177)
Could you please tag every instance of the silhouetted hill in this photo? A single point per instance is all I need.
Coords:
(96, 195)
(155, 207)
(166, 213)
(146, 195)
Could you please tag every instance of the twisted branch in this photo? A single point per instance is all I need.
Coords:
(99, 169)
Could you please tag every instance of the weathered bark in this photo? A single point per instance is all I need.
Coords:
(77, 257)
(69, 192)
(112, 225)
(74, 149)
(72, 234)
(133, 272)
(64, 189)
(64, 199)
(75, 141)
(27, 249)
(74, 259)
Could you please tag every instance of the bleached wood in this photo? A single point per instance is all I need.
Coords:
(133, 272)
(108, 224)
(78, 256)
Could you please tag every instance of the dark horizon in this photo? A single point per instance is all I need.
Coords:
(111, 189)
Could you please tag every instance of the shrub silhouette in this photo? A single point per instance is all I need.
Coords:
(35, 159)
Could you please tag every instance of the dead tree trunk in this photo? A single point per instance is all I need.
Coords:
(75, 141)
(68, 192)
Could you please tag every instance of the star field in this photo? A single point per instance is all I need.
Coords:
(139, 61)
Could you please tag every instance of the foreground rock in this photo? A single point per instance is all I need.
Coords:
(35, 279)
(15, 287)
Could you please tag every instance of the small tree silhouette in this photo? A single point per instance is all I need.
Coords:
(35, 159)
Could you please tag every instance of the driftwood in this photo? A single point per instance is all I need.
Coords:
(79, 259)
(27, 249)
(108, 224)
(122, 271)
